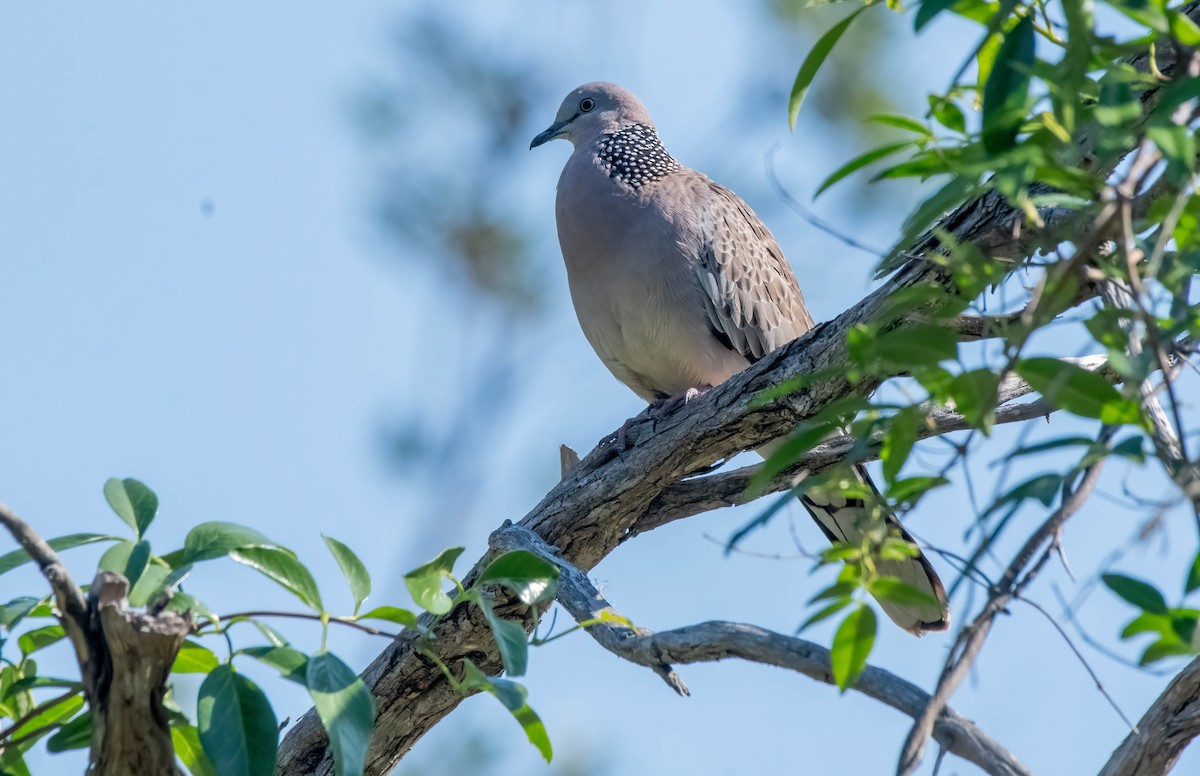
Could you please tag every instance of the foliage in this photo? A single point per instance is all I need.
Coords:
(1040, 117)
(236, 731)
(1173, 628)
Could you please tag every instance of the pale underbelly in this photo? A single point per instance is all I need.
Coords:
(657, 345)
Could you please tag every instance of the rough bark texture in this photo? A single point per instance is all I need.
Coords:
(131, 659)
(1164, 731)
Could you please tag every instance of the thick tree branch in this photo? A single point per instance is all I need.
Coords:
(725, 489)
(711, 641)
(1164, 731)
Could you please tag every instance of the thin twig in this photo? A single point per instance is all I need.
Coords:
(970, 639)
(33, 734)
(36, 711)
(807, 214)
(1082, 660)
(302, 616)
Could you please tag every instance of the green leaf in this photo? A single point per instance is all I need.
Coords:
(76, 734)
(786, 452)
(12, 761)
(947, 114)
(975, 394)
(1131, 448)
(1073, 67)
(270, 634)
(1183, 622)
(954, 192)
(18, 609)
(182, 602)
(291, 663)
(127, 559)
(16, 558)
(281, 565)
(512, 695)
(812, 63)
(424, 583)
(1051, 444)
(1007, 88)
(50, 716)
(826, 612)
(116, 557)
(907, 123)
(900, 592)
(922, 165)
(352, 569)
(346, 708)
(153, 580)
(1141, 594)
(1177, 144)
(928, 10)
(1118, 106)
(1183, 29)
(133, 502)
(859, 162)
(34, 682)
(186, 740)
(1073, 388)
(511, 638)
(530, 578)
(915, 347)
(139, 559)
(1193, 577)
(1164, 649)
(852, 645)
(40, 638)
(216, 539)
(910, 489)
(238, 729)
(1043, 487)
(898, 441)
(391, 614)
(1148, 622)
(194, 658)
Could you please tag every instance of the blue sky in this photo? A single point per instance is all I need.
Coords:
(193, 292)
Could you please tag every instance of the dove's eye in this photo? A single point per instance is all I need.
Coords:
(587, 104)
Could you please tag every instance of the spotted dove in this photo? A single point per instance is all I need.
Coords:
(678, 285)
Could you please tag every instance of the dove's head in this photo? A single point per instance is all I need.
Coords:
(593, 110)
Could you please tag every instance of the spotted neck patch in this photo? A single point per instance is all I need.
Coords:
(635, 156)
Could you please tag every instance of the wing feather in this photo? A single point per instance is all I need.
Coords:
(751, 296)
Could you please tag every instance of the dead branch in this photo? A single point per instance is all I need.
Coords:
(718, 640)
